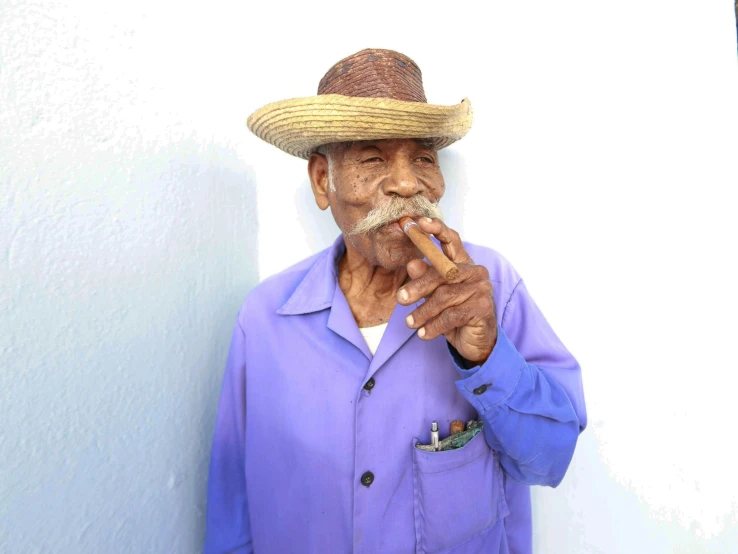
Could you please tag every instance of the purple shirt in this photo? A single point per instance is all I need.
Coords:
(308, 417)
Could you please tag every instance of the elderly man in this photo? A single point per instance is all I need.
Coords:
(340, 366)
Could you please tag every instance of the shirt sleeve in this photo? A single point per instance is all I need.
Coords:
(227, 524)
(528, 393)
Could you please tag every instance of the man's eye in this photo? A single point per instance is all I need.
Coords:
(427, 159)
(373, 159)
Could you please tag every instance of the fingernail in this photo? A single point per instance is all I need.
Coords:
(428, 220)
(410, 320)
(421, 332)
(403, 295)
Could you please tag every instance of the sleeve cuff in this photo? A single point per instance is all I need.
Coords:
(493, 382)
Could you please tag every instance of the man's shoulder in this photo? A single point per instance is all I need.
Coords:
(501, 271)
(272, 293)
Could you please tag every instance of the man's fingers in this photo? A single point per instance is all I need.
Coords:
(443, 298)
(427, 283)
(417, 268)
(449, 239)
(420, 287)
(475, 311)
(425, 279)
(448, 320)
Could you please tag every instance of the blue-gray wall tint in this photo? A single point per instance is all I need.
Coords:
(123, 267)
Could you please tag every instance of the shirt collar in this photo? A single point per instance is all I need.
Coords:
(317, 289)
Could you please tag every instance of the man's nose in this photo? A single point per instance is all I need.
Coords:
(402, 180)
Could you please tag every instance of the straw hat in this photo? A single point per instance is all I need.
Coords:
(371, 95)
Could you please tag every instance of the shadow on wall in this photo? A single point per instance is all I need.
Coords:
(321, 229)
(124, 277)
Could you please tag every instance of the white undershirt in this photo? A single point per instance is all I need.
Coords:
(373, 336)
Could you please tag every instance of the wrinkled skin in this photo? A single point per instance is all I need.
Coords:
(376, 268)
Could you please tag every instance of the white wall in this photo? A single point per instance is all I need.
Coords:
(601, 158)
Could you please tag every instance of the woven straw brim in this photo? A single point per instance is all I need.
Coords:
(298, 126)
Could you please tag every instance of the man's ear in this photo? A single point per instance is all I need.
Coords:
(318, 172)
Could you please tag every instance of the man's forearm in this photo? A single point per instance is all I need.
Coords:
(529, 419)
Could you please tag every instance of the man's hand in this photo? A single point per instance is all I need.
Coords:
(463, 311)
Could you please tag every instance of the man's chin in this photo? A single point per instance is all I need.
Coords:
(393, 248)
(388, 246)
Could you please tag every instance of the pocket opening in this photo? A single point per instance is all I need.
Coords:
(458, 494)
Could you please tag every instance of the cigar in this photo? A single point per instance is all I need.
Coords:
(437, 259)
(456, 426)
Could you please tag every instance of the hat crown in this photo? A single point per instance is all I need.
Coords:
(375, 73)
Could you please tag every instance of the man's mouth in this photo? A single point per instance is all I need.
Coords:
(395, 227)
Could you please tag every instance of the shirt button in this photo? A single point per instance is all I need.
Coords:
(367, 479)
(369, 384)
(480, 389)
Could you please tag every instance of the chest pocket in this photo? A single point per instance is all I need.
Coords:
(458, 494)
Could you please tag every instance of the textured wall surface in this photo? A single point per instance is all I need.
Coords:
(128, 244)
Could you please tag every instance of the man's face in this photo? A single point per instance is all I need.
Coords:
(382, 179)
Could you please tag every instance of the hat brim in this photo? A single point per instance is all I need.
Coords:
(300, 125)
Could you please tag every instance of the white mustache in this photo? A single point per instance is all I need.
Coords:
(394, 209)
